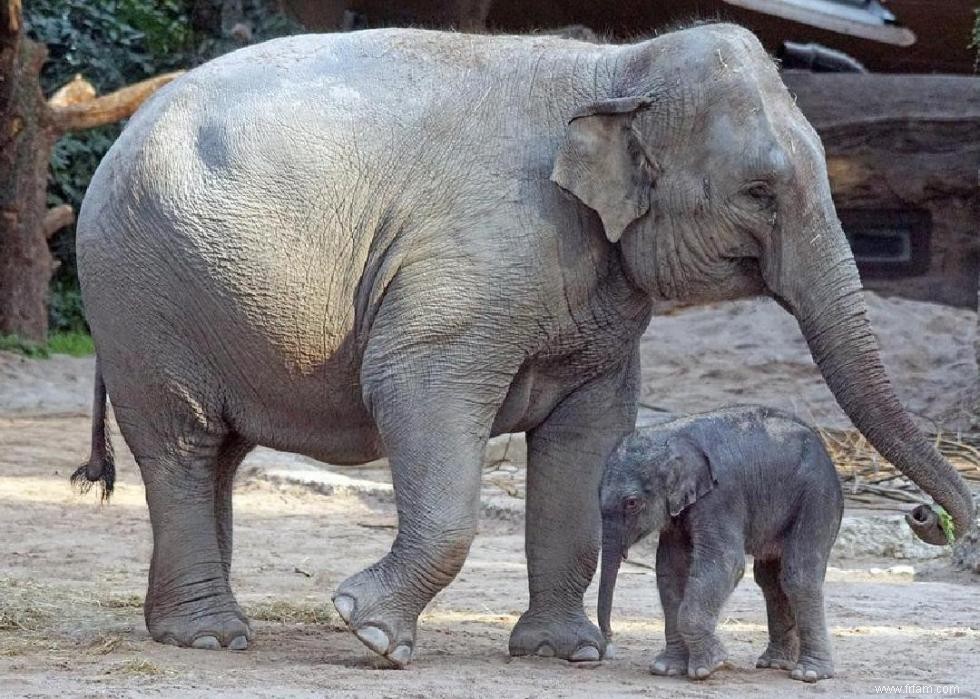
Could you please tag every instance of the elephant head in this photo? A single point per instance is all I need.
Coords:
(646, 482)
(714, 186)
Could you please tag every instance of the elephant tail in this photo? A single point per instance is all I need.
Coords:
(101, 464)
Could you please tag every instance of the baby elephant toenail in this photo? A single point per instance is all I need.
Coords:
(546, 651)
(206, 643)
(586, 654)
(238, 643)
(374, 638)
(344, 605)
(401, 656)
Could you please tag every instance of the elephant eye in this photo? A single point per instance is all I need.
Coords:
(761, 192)
(631, 504)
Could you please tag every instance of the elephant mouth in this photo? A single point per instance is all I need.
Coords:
(726, 278)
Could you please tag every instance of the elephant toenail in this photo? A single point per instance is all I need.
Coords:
(702, 672)
(374, 638)
(546, 651)
(586, 654)
(401, 656)
(610, 653)
(238, 643)
(344, 604)
(206, 643)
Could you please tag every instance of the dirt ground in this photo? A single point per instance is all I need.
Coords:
(73, 573)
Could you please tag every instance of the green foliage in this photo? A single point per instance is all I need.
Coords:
(14, 343)
(111, 42)
(267, 23)
(65, 312)
(76, 344)
(114, 43)
(946, 523)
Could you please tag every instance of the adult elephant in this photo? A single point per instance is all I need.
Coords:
(402, 242)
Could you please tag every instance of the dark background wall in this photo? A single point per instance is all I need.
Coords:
(942, 27)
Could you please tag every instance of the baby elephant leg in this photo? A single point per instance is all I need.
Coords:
(784, 641)
(801, 576)
(672, 566)
(716, 568)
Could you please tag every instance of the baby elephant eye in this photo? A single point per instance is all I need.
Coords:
(631, 504)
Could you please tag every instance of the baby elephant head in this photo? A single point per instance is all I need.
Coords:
(648, 480)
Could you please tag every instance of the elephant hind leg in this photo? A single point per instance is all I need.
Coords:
(801, 577)
(784, 640)
(231, 454)
(187, 473)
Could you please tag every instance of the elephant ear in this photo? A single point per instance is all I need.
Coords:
(686, 474)
(602, 163)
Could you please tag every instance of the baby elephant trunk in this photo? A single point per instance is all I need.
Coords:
(612, 556)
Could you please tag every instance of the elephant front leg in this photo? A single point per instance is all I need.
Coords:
(566, 456)
(436, 455)
(717, 564)
(673, 562)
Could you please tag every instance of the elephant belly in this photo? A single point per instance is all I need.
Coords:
(531, 398)
(320, 414)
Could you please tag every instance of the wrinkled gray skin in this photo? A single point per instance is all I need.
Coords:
(402, 242)
(717, 486)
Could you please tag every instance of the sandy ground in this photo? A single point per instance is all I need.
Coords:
(752, 352)
(73, 572)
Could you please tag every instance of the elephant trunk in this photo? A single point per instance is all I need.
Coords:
(829, 305)
(612, 555)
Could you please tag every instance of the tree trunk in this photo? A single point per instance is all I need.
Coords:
(26, 141)
(29, 128)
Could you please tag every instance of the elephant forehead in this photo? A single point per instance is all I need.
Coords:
(641, 447)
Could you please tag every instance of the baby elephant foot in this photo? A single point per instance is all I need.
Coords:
(206, 629)
(671, 662)
(811, 670)
(778, 657)
(374, 614)
(705, 657)
(576, 638)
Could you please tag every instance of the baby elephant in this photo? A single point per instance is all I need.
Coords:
(717, 486)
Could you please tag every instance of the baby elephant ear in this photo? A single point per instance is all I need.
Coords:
(687, 475)
(602, 163)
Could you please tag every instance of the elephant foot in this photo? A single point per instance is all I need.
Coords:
(811, 670)
(373, 613)
(671, 661)
(576, 639)
(778, 657)
(705, 657)
(204, 629)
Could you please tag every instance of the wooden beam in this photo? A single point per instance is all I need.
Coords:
(830, 99)
(75, 91)
(110, 108)
(57, 218)
(894, 139)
